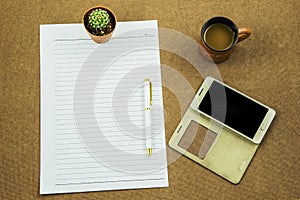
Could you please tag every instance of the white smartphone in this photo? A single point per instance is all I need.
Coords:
(233, 109)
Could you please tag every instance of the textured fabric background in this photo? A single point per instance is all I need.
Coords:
(266, 67)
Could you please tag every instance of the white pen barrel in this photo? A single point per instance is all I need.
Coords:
(147, 94)
(148, 128)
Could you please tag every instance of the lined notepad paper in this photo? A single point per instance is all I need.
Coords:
(92, 110)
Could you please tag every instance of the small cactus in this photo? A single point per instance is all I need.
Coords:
(99, 19)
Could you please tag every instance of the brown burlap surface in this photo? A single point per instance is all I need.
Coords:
(265, 66)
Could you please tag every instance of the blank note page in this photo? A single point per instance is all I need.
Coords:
(92, 110)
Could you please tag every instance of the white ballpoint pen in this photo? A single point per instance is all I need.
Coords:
(148, 104)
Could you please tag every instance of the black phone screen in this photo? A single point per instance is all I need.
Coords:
(233, 109)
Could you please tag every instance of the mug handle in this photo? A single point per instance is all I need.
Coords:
(244, 33)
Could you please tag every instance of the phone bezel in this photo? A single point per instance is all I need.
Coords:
(264, 125)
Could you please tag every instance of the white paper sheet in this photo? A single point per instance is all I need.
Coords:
(92, 109)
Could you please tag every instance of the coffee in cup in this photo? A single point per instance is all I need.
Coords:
(219, 36)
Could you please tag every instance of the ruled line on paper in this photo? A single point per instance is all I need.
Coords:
(129, 180)
(68, 173)
(103, 177)
(79, 147)
(111, 40)
(117, 72)
(114, 38)
(89, 167)
(67, 120)
(62, 165)
(111, 138)
(129, 62)
(107, 126)
(72, 122)
(83, 101)
(63, 142)
(73, 138)
(116, 143)
(79, 82)
(94, 57)
(136, 151)
(87, 113)
(87, 128)
(75, 154)
(91, 142)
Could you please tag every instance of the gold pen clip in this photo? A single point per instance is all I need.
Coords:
(150, 93)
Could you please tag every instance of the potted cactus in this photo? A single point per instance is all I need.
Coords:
(100, 23)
